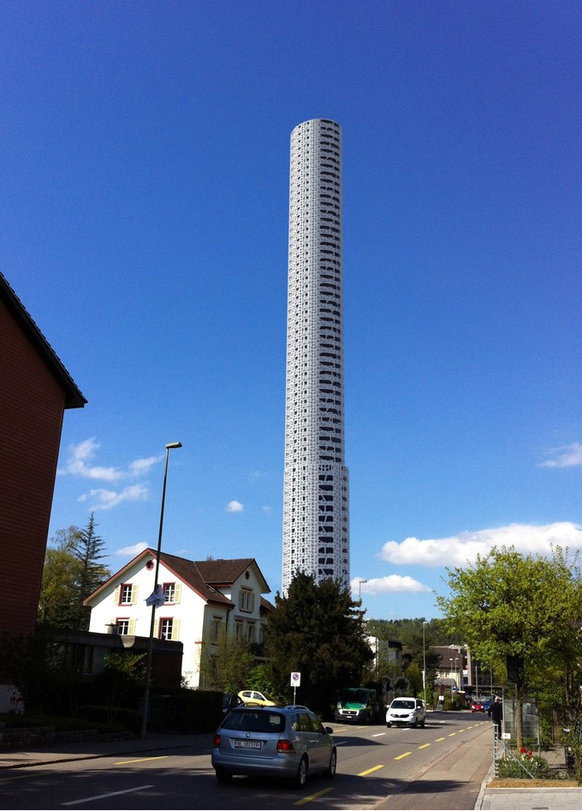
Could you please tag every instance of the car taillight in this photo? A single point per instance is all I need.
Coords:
(216, 740)
(285, 746)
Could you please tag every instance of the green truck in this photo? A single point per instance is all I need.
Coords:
(357, 704)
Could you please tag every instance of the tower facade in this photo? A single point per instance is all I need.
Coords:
(316, 482)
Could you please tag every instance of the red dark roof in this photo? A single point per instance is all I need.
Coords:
(73, 396)
(204, 576)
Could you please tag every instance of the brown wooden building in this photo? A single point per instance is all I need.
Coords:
(35, 390)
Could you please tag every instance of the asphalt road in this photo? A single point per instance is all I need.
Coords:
(435, 767)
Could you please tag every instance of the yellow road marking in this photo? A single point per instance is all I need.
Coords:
(439, 739)
(304, 800)
(451, 734)
(140, 760)
(405, 754)
(424, 745)
(13, 777)
(369, 771)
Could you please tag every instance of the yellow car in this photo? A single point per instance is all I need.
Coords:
(254, 697)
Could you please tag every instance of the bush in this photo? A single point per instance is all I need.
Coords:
(523, 760)
(119, 718)
(60, 723)
(186, 711)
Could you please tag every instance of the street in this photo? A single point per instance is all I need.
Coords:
(377, 767)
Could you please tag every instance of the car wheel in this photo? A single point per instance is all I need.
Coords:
(301, 774)
(223, 776)
(422, 724)
(388, 725)
(331, 769)
(415, 724)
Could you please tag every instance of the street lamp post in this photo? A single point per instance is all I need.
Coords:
(424, 661)
(146, 696)
(360, 590)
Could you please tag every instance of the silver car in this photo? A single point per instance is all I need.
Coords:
(288, 742)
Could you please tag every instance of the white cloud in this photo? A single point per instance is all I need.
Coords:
(458, 550)
(267, 510)
(77, 463)
(390, 584)
(565, 456)
(80, 456)
(141, 467)
(234, 507)
(107, 499)
(132, 551)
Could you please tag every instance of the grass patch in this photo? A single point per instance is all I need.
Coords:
(515, 782)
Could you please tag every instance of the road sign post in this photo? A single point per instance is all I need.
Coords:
(295, 683)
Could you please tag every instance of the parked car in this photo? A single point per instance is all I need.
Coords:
(406, 711)
(288, 742)
(477, 705)
(230, 701)
(358, 704)
(258, 699)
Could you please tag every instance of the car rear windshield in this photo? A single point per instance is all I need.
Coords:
(252, 721)
(403, 705)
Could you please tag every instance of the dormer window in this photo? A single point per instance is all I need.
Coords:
(246, 600)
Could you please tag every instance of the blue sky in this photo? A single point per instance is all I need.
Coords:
(144, 201)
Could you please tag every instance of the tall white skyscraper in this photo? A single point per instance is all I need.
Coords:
(316, 536)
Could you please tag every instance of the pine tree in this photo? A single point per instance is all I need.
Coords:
(72, 571)
(88, 549)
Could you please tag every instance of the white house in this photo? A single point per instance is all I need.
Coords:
(201, 598)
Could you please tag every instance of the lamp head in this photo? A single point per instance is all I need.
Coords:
(174, 445)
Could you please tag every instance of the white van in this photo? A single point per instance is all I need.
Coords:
(406, 711)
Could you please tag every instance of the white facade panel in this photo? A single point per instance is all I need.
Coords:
(316, 486)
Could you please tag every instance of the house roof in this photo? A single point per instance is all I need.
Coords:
(73, 396)
(266, 606)
(203, 576)
(446, 653)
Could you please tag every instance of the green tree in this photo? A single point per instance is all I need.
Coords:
(414, 675)
(59, 594)
(259, 678)
(518, 613)
(72, 571)
(33, 665)
(224, 665)
(407, 630)
(318, 631)
(122, 673)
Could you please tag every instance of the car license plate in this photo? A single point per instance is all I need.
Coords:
(238, 744)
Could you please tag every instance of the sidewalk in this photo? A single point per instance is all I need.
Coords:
(520, 799)
(489, 799)
(554, 798)
(44, 755)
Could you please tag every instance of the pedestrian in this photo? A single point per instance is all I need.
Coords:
(496, 714)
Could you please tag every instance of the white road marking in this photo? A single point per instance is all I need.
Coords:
(111, 794)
